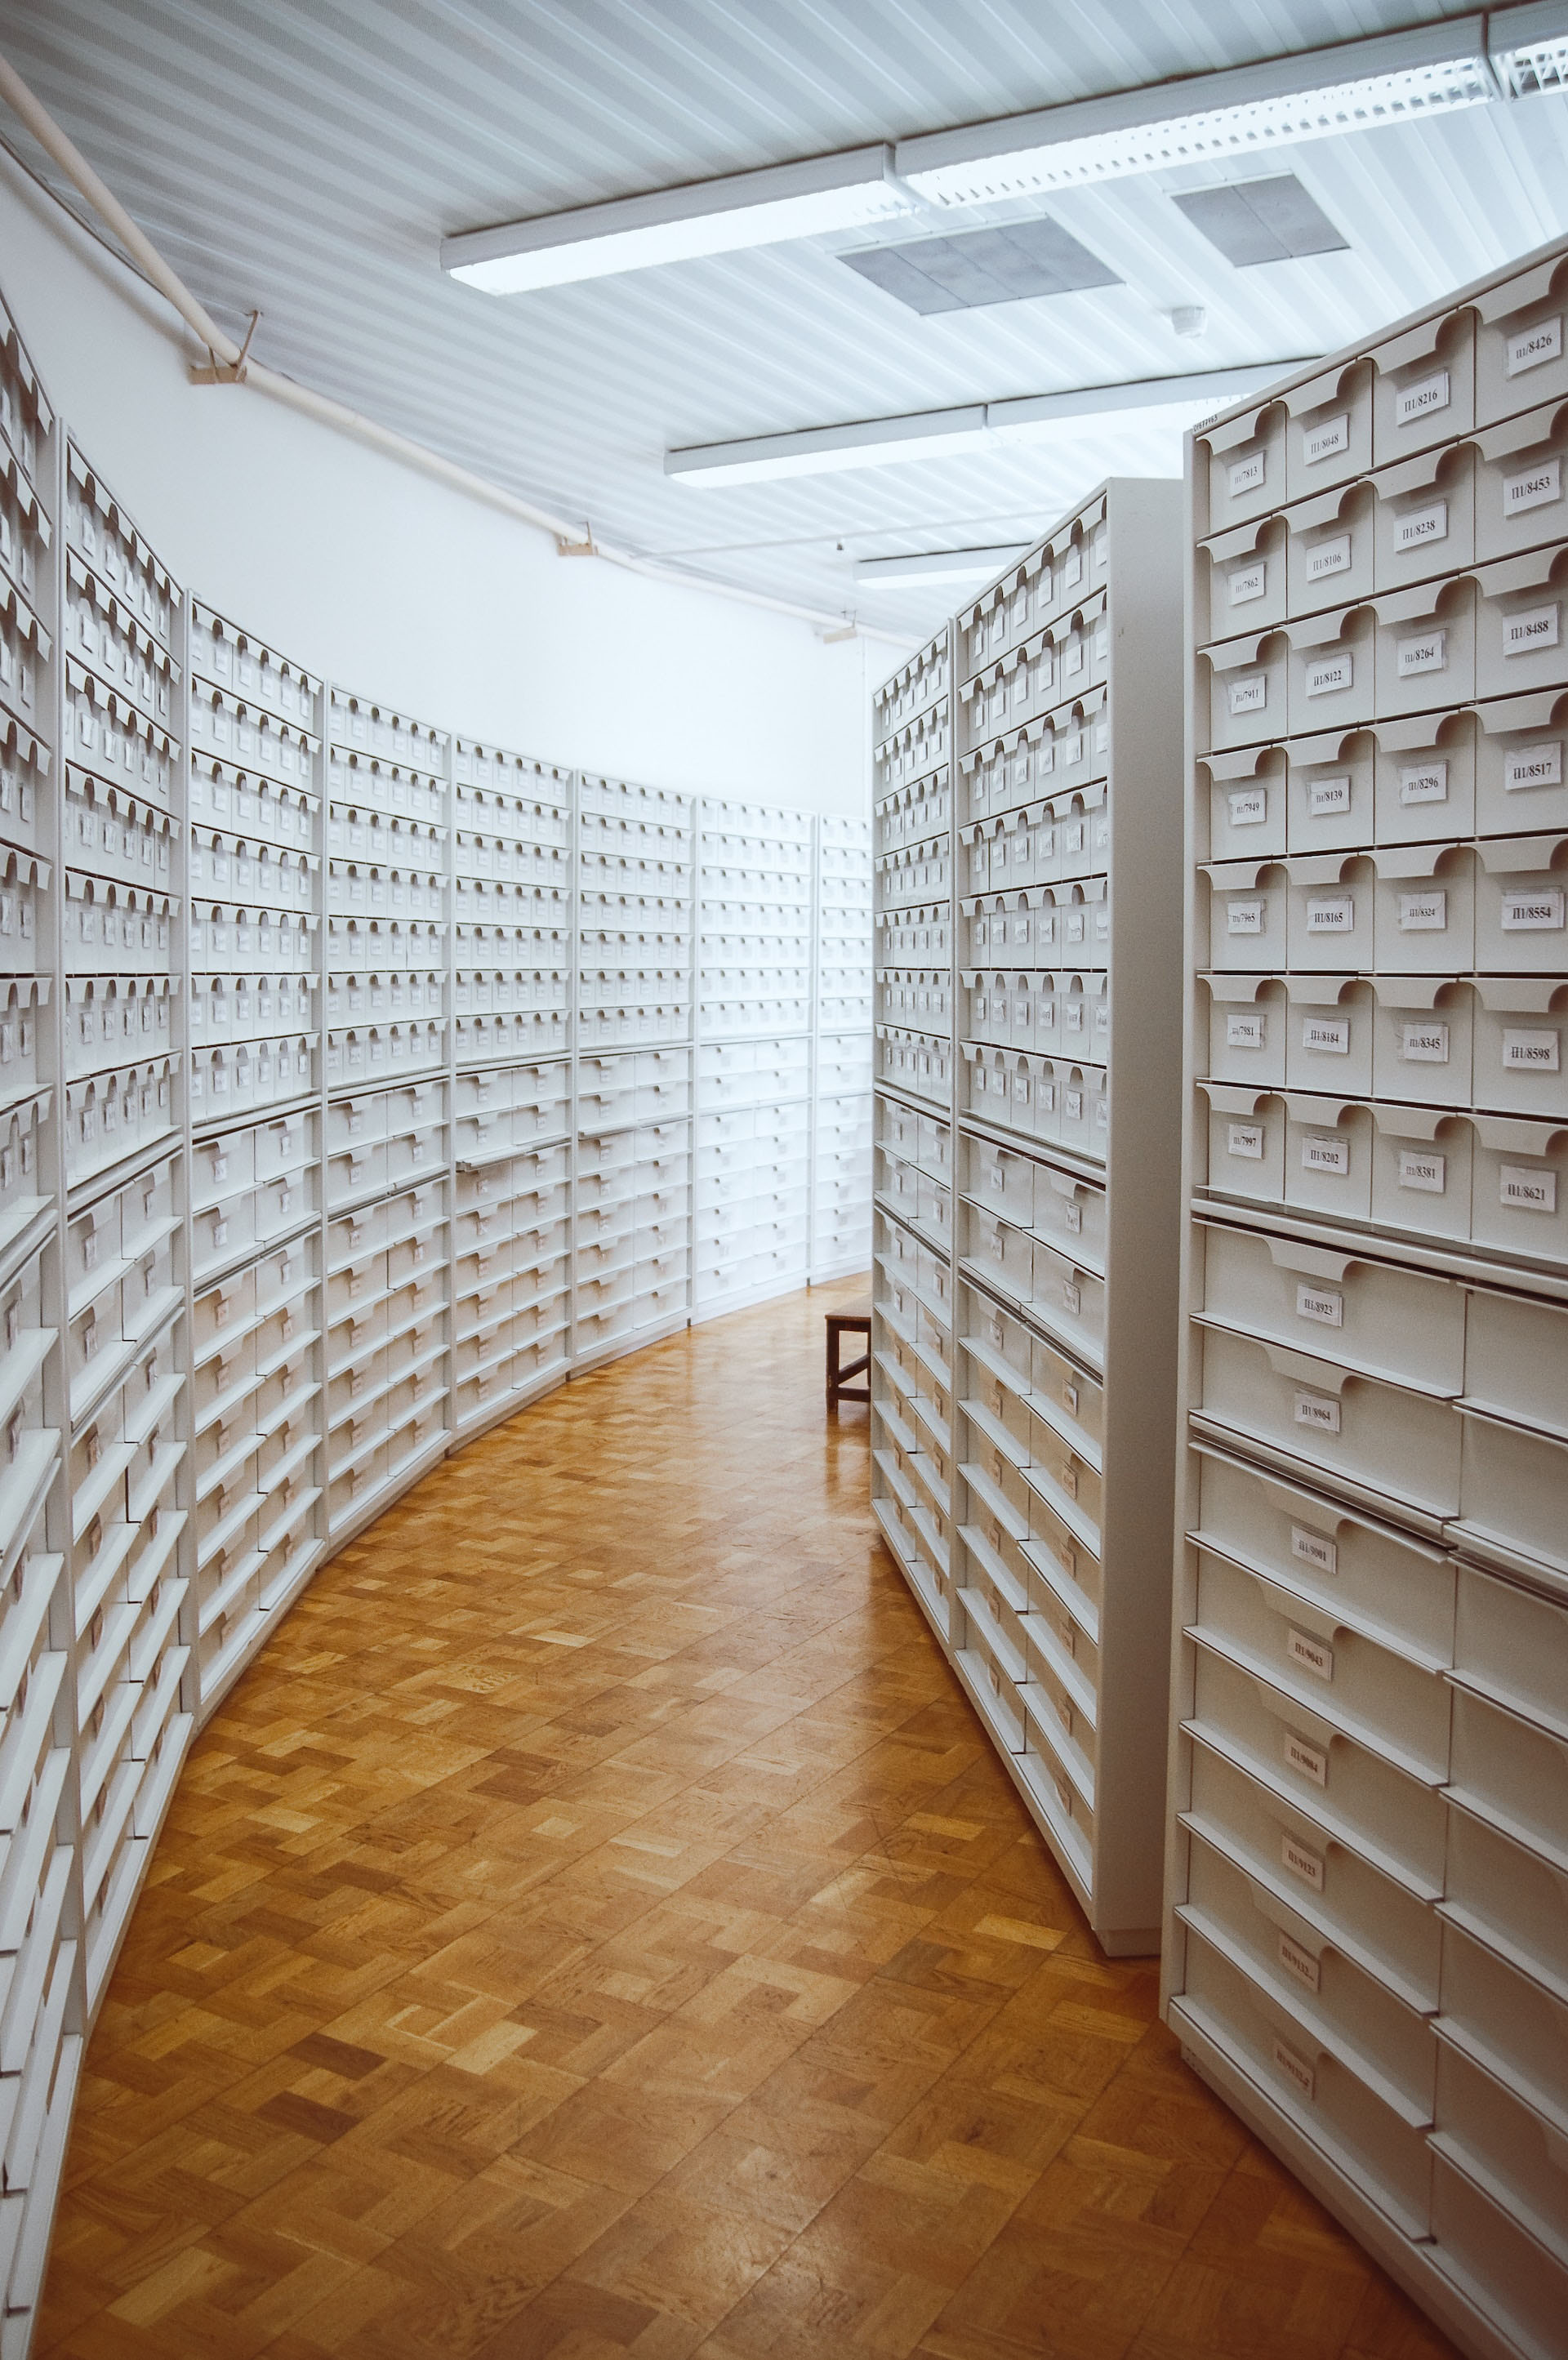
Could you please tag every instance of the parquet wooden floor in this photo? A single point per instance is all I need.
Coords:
(598, 1926)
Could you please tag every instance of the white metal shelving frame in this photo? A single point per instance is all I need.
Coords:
(200, 1515)
(1366, 1950)
(1032, 1180)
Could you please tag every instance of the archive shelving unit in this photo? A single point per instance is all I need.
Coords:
(1028, 828)
(1366, 1942)
(348, 1096)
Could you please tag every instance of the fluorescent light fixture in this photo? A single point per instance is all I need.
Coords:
(766, 208)
(942, 433)
(825, 450)
(1317, 94)
(1210, 119)
(940, 566)
(1529, 47)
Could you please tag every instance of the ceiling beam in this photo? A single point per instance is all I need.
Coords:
(973, 427)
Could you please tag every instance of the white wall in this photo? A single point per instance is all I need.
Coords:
(389, 583)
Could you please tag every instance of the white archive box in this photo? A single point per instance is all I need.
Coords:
(1368, 1917)
(1311, 2081)
(1381, 1317)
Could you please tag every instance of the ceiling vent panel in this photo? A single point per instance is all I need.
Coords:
(1262, 220)
(1013, 265)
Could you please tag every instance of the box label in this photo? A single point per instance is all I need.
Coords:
(1422, 1169)
(1318, 1410)
(1322, 1153)
(1423, 782)
(1248, 806)
(1528, 1052)
(1532, 627)
(1299, 1961)
(1310, 1653)
(1295, 2068)
(1244, 917)
(1326, 439)
(1532, 913)
(1533, 766)
(1249, 1031)
(1327, 795)
(1248, 694)
(1326, 675)
(1533, 487)
(1326, 557)
(1422, 398)
(1331, 914)
(1426, 651)
(1425, 913)
(1308, 1759)
(1419, 526)
(1529, 347)
(1321, 1303)
(1248, 582)
(1302, 1862)
(1329, 1035)
(1525, 1190)
(1247, 475)
(1245, 1140)
(1423, 1041)
(1314, 1549)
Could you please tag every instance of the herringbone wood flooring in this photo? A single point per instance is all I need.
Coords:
(598, 1925)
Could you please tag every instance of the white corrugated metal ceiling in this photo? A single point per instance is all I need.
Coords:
(306, 159)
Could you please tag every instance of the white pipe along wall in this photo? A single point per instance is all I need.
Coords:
(381, 576)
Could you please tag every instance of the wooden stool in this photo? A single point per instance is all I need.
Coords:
(840, 1372)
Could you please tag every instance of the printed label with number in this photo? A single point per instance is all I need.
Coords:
(1328, 1035)
(1310, 1653)
(1320, 1304)
(1326, 557)
(1318, 1410)
(1331, 914)
(1243, 918)
(1530, 1051)
(1302, 1862)
(1425, 913)
(1523, 1190)
(1424, 1170)
(1533, 766)
(1248, 1030)
(1533, 488)
(1532, 913)
(1245, 1140)
(1536, 627)
(1314, 1549)
(1329, 674)
(1248, 694)
(1295, 2068)
(1248, 806)
(1424, 1042)
(1326, 439)
(1423, 782)
(1529, 347)
(1325, 796)
(1426, 651)
(1247, 475)
(1320, 1153)
(1422, 398)
(1248, 582)
(1299, 1961)
(1308, 1759)
(1419, 527)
